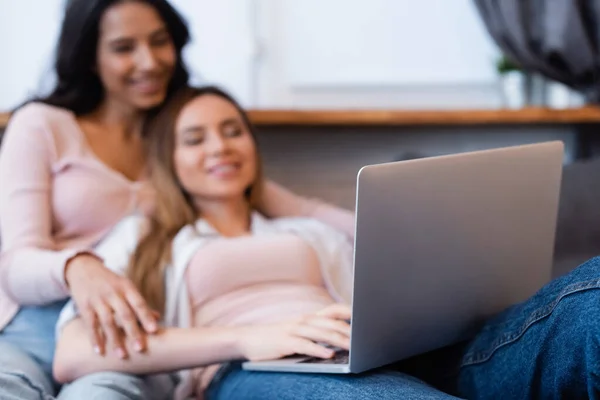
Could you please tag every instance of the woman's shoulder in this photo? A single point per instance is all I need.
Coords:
(48, 127)
(40, 113)
(41, 119)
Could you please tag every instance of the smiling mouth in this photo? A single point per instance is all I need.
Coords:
(224, 170)
(148, 86)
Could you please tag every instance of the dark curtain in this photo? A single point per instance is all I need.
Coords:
(555, 38)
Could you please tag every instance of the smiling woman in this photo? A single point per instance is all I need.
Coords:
(194, 143)
(135, 57)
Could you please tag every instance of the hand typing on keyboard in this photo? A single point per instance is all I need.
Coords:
(317, 335)
(341, 356)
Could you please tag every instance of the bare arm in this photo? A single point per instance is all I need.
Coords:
(278, 202)
(170, 349)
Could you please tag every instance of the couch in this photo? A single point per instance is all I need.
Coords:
(578, 227)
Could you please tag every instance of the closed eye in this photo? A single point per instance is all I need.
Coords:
(122, 47)
(192, 141)
(232, 132)
(160, 39)
(193, 137)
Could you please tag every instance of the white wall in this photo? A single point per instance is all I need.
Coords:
(376, 53)
(383, 42)
(290, 53)
(27, 41)
(222, 48)
(219, 52)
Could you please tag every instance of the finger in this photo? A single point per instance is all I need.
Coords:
(92, 325)
(337, 311)
(336, 325)
(309, 348)
(155, 314)
(110, 330)
(143, 313)
(329, 337)
(128, 321)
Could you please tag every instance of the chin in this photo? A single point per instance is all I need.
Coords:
(149, 102)
(226, 194)
(230, 194)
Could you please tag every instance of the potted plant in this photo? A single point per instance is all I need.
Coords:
(512, 83)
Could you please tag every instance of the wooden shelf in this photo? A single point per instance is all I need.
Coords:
(424, 117)
(584, 115)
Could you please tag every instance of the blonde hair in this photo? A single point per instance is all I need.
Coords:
(174, 207)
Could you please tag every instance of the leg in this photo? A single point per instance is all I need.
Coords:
(117, 386)
(231, 382)
(547, 347)
(26, 351)
(21, 377)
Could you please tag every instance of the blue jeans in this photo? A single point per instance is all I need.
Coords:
(26, 353)
(232, 382)
(544, 348)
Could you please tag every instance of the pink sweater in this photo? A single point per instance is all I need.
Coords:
(58, 199)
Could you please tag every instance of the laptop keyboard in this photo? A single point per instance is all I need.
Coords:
(340, 357)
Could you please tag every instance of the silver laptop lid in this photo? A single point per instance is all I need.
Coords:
(443, 243)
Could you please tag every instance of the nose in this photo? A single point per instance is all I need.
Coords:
(146, 59)
(217, 144)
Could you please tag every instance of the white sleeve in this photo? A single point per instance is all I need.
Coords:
(186, 244)
(115, 249)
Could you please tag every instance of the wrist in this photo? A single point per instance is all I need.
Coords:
(72, 264)
(237, 342)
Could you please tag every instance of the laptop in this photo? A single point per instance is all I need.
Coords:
(441, 245)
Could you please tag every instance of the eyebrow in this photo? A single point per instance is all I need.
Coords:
(201, 129)
(156, 32)
(229, 121)
(193, 129)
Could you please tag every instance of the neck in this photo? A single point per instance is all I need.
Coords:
(230, 218)
(117, 118)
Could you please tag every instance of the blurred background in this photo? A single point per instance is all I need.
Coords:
(333, 85)
(407, 54)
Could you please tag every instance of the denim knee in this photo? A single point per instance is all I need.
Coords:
(547, 347)
(582, 285)
(21, 377)
(119, 386)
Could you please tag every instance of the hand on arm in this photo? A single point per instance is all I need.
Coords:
(107, 303)
(172, 349)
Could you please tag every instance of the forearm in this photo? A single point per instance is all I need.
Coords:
(33, 276)
(31, 266)
(280, 202)
(336, 217)
(171, 349)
